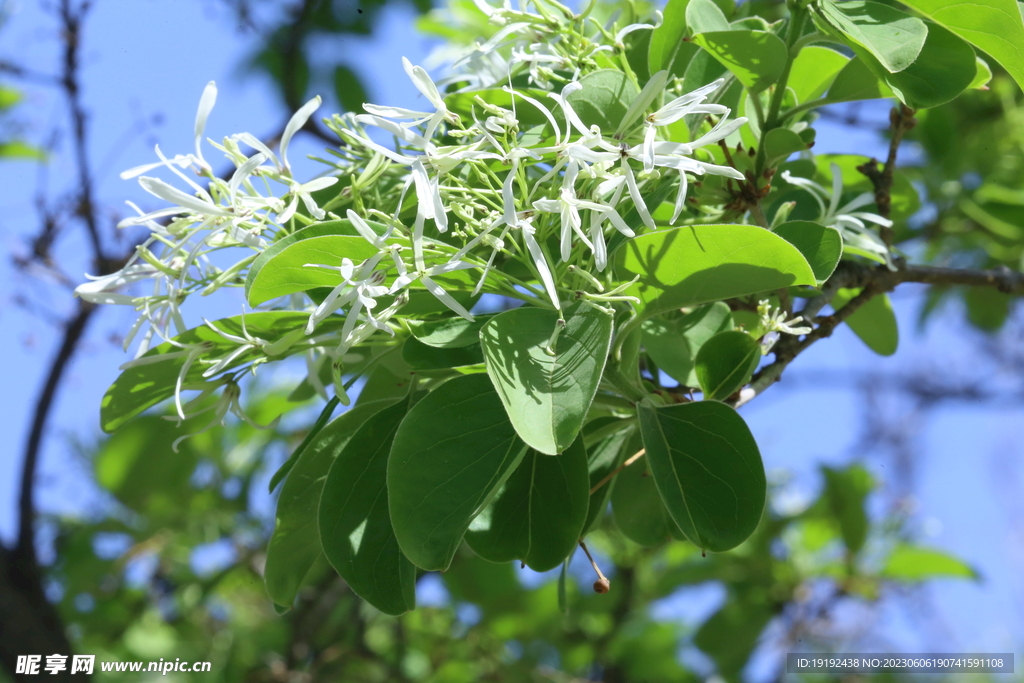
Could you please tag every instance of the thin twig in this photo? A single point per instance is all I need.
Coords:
(629, 461)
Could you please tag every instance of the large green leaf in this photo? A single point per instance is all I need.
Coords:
(355, 526)
(757, 58)
(604, 98)
(288, 271)
(452, 453)
(708, 471)
(856, 81)
(143, 386)
(725, 363)
(602, 458)
(992, 26)
(915, 563)
(821, 246)
(667, 49)
(547, 395)
(419, 356)
(705, 15)
(637, 508)
(695, 264)
(295, 543)
(673, 344)
(537, 517)
(945, 68)
(892, 37)
(448, 333)
(874, 322)
(813, 71)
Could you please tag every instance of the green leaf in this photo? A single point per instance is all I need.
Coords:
(355, 526)
(845, 493)
(348, 89)
(604, 98)
(537, 517)
(987, 309)
(779, 143)
(602, 459)
(452, 453)
(945, 68)
(667, 49)
(730, 635)
(673, 344)
(287, 271)
(137, 465)
(419, 356)
(143, 386)
(708, 471)
(463, 103)
(982, 77)
(813, 71)
(547, 396)
(856, 82)
(914, 563)
(995, 27)
(821, 246)
(448, 333)
(637, 508)
(288, 464)
(340, 227)
(295, 543)
(725, 363)
(892, 37)
(874, 322)
(16, 149)
(704, 15)
(696, 264)
(757, 58)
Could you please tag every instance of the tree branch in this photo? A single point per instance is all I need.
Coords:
(73, 332)
(871, 280)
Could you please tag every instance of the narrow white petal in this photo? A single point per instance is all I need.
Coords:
(445, 298)
(295, 123)
(542, 265)
(395, 112)
(169, 193)
(680, 197)
(423, 83)
(206, 102)
(634, 193)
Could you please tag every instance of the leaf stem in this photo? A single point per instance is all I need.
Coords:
(629, 461)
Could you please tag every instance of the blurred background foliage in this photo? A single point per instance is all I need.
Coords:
(171, 566)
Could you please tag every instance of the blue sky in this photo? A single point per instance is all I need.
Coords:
(147, 60)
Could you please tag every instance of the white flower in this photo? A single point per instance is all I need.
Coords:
(426, 275)
(100, 290)
(206, 102)
(857, 237)
(227, 403)
(428, 89)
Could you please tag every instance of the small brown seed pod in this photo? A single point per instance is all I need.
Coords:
(602, 585)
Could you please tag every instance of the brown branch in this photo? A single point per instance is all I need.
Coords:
(71, 20)
(73, 332)
(872, 280)
(901, 119)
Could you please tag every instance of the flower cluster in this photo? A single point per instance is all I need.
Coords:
(500, 182)
(226, 213)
